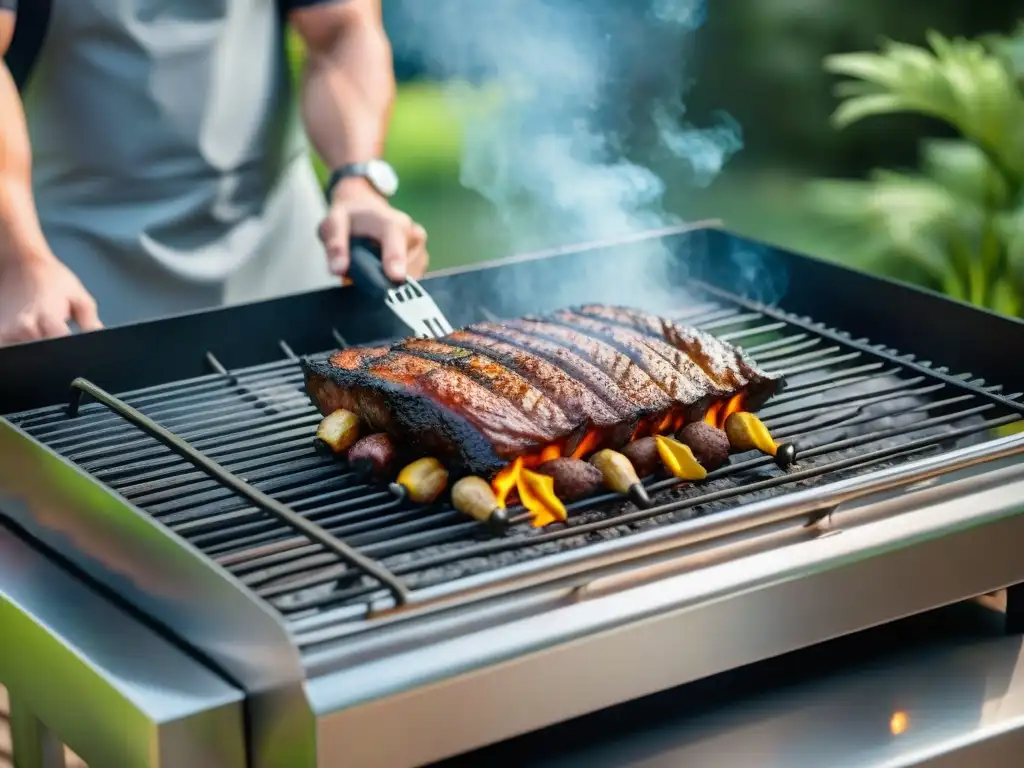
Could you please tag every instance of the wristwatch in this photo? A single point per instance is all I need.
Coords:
(379, 173)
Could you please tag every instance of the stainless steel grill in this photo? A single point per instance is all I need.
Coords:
(328, 578)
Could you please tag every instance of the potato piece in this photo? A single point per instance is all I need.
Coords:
(474, 497)
(574, 478)
(373, 455)
(423, 480)
(338, 430)
(709, 444)
(643, 455)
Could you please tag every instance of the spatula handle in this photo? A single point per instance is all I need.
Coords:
(366, 269)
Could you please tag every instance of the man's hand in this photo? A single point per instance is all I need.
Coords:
(359, 211)
(39, 297)
(347, 90)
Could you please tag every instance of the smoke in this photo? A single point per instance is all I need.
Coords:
(584, 97)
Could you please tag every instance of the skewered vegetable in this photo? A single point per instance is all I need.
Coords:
(620, 476)
(747, 432)
(422, 481)
(574, 478)
(473, 496)
(373, 455)
(643, 455)
(679, 459)
(338, 430)
(709, 444)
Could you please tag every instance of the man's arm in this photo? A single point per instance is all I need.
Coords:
(349, 84)
(348, 88)
(38, 294)
(20, 233)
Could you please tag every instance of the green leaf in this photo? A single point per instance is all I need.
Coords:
(856, 109)
(864, 66)
(958, 81)
(965, 171)
(1007, 298)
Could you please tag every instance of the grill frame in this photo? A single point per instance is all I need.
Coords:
(215, 614)
(730, 314)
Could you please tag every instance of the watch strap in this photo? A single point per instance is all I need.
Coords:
(347, 171)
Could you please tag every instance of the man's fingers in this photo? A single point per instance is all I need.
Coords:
(83, 312)
(334, 232)
(418, 261)
(394, 252)
(418, 256)
(22, 328)
(53, 326)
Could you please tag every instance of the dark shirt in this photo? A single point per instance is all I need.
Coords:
(34, 20)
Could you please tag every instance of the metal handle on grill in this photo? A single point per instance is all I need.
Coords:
(366, 269)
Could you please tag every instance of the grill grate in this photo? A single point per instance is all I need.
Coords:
(226, 461)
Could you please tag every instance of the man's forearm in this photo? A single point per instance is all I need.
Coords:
(348, 89)
(20, 233)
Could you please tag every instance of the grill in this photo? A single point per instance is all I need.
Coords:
(281, 546)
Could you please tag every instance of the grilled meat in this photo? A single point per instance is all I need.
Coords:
(494, 392)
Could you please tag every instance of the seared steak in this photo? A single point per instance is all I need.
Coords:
(483, 396)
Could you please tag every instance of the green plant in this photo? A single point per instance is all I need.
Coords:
(957, 223)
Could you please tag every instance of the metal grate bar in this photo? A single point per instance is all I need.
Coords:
(350, 556)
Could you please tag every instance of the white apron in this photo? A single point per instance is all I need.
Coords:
(170, 170)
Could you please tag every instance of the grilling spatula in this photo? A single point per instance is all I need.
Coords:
(408, 300)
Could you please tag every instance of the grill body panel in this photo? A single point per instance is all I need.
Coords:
(195, 494)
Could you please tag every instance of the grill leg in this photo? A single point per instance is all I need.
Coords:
(34, 745)
(1015, 609)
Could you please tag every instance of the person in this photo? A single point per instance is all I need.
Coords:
(153, 160)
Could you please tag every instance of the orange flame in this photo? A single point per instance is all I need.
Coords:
(588, 444)
(505, 481)
(664, 425)
(711, 415)
(549, 453)
(535, 491)
(735, 405)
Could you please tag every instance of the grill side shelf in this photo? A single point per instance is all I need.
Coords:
(146, 565)
(262, 501)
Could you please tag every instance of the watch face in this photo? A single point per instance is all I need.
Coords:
(383, 177)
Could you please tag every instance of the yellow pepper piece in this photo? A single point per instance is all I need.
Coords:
(746, 432)
(679, 459)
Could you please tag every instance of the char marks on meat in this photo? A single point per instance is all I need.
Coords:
(487, 394)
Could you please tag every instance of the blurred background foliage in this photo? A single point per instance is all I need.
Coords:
(913, 168)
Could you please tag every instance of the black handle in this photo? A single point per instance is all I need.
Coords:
(366, 270)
